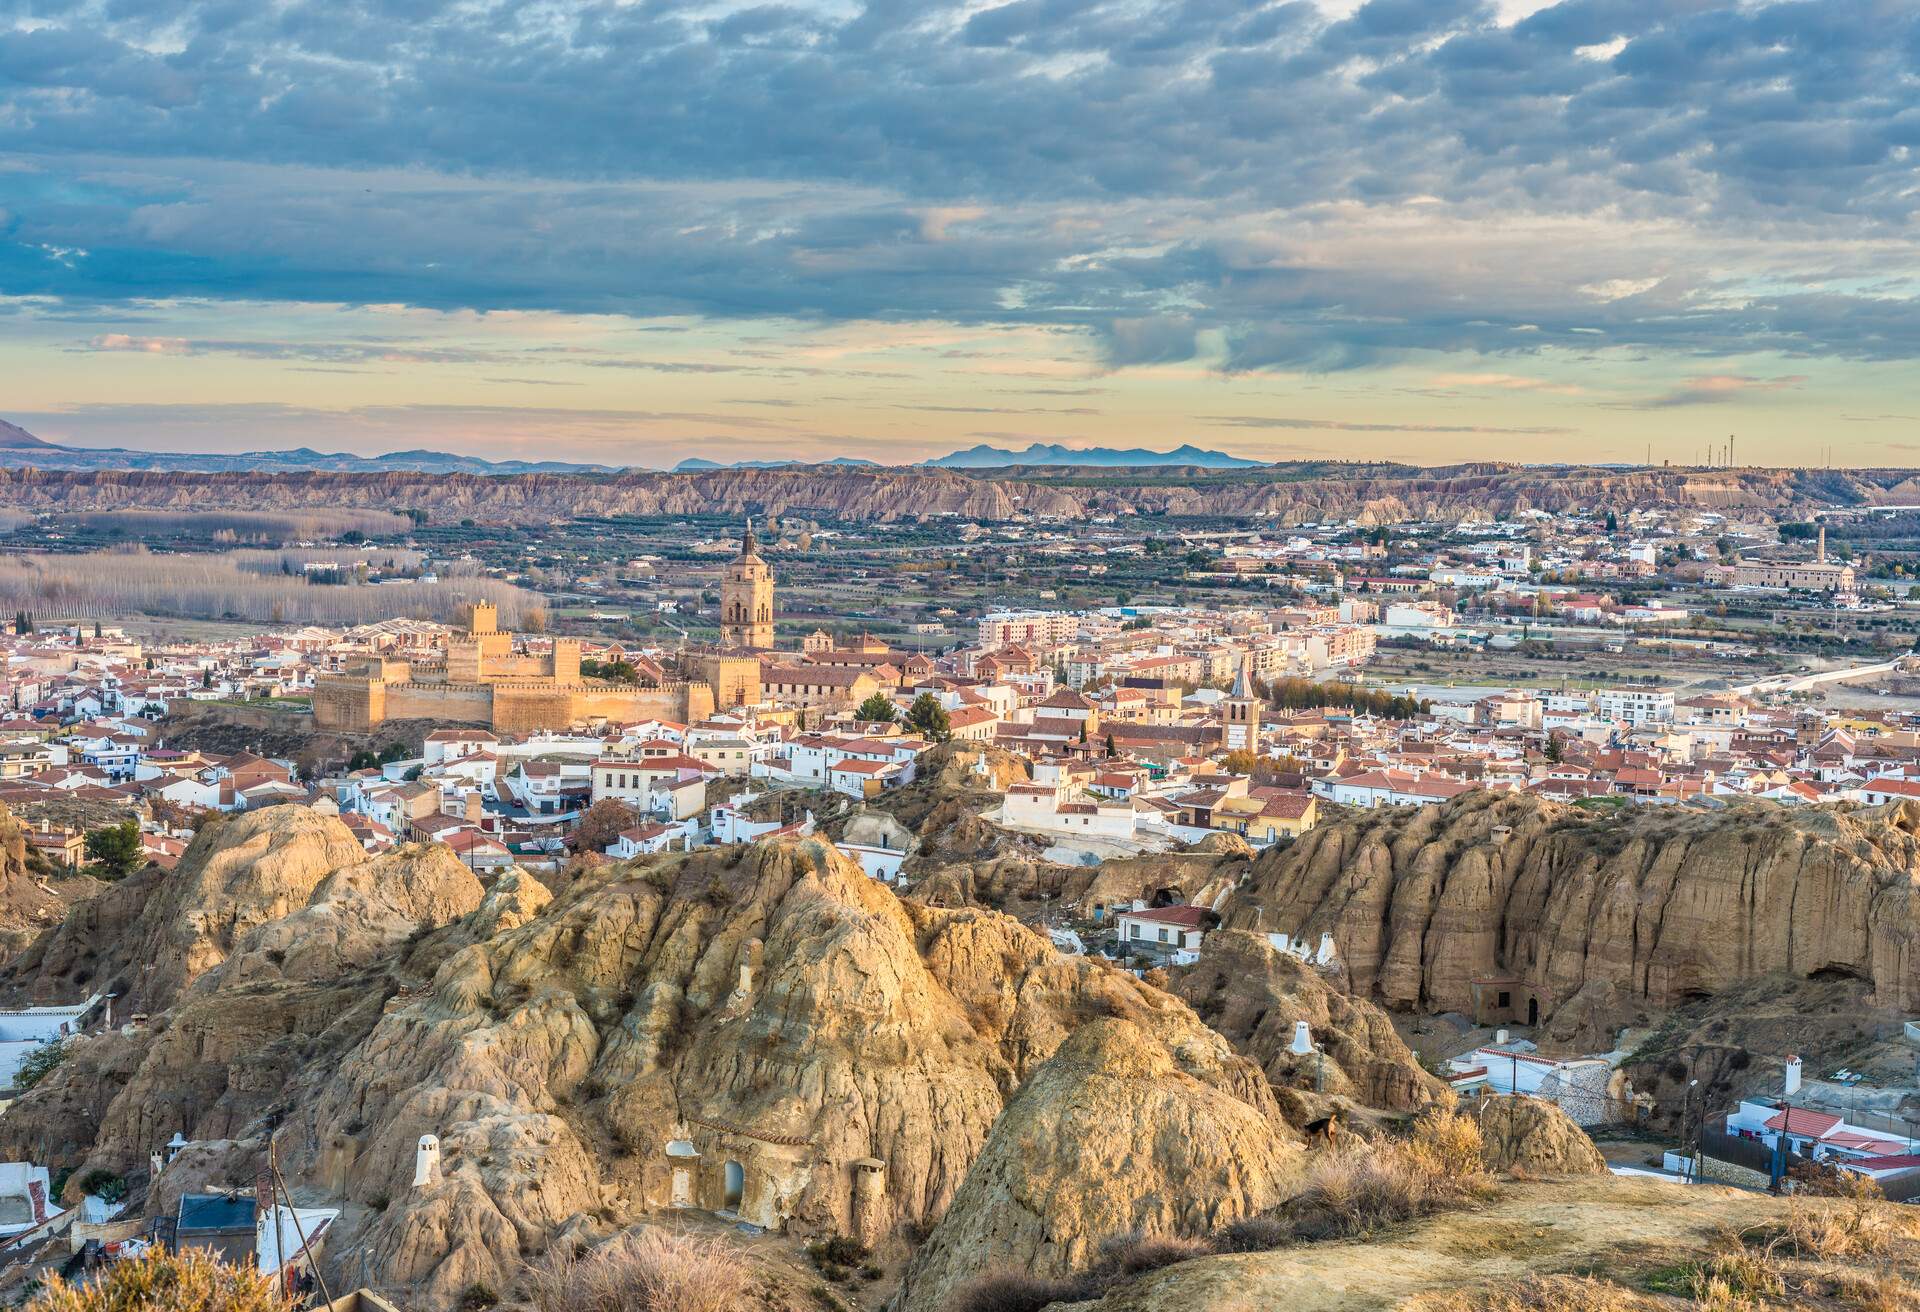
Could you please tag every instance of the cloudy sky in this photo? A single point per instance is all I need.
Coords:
(631, 232)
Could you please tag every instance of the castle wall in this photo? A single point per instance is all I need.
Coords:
(470, 703)
(349, 702)
(735, 680)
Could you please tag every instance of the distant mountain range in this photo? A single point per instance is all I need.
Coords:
(1048, 453)
(19, 447)
(695, 465)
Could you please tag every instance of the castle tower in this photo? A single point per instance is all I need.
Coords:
(1240, 713)
(746, 598)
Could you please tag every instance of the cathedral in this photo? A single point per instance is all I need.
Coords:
(746, 599)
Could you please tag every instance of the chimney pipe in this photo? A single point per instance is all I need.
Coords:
(1302, 1039)
(426, 1161)
(1793, 1076)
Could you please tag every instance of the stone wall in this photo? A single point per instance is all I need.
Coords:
(517, 706)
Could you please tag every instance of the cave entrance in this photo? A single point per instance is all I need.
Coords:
(736, 1187)
(1533, 1011)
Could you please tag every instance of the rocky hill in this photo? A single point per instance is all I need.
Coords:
(1252, 994)
(813, 1052)
(1597, 919)
(1280, 493)
(767, 1034)
(1118, 1134)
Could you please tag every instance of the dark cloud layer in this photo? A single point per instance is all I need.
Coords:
(1703, 178)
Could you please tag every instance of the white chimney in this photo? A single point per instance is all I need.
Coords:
(426, 1161)
(1325, 956)
(1793, 1076)
(1499, 1036)
(1302, 1038)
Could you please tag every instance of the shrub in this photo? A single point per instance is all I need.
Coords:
(40, 1063)
(190, 1280)
(1355, 1189)
(841, 1250)
(1017, 1291)
(1253, 1234)
(104, 1185)
(651, 1271)
(478, 1295)
(1132, 1255)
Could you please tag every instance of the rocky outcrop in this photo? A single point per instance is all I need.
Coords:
(1529, 1136)
(1119, 1134)
(1292, 495)
(764, 1030)
(29, 904)
(1592, 920)
(148, 937)
(276, 990)
(1253, 995)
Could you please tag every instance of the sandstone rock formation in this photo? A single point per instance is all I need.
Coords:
(1253, 994)
(1592, 920)
(273, 966)
(1529, 1136)
(149, 936)
(1118, 1134)
(28, 903)
(763, 1029)
(1296, 495)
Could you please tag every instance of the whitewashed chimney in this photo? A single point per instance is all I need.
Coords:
(1325, 956)
(1302, 1038)
(1793, 1076)
(426, 1161)
(1499, 1036)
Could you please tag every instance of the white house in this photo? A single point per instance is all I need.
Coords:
(653, 836)
(1177, 930)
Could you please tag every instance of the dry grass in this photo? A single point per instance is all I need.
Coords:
(1848, 1228)
(1540, 1294)
(1877, 1291)
(191, 1280)
(1132, 1255)
(652, 1271)
(1354, 1190)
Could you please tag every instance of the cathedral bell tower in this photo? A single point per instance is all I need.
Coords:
(746, 598)
(1240, 714)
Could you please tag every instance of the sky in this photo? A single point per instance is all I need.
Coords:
(633, 232)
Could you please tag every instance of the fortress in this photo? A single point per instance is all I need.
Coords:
(483, 680)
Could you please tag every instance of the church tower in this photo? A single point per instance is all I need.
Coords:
(746, 598)
(1240, 713)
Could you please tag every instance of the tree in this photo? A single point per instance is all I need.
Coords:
(1240, 761)
(878, 708)
(928, 718)
(1553, 748)
(116, 849)
(1111, 751)
(164, 1280)
(40, 1063)
(601, 824)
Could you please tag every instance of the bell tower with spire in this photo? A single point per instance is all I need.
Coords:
(746, 598)
(1240, 713)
